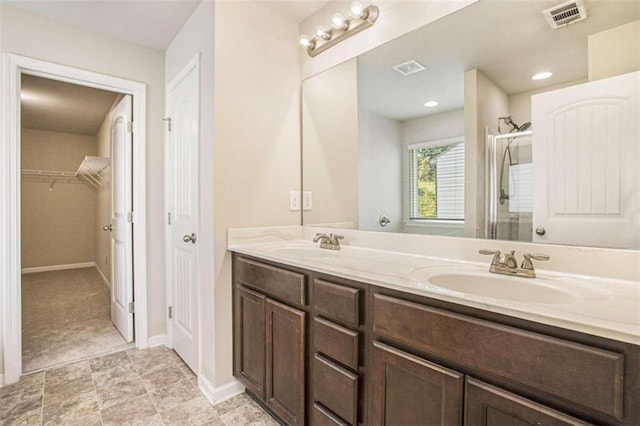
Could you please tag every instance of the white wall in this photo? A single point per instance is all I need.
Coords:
(330, 151)
(396, 18)
(379, 172)
(197, 35)
(256, 141)
(44, 39)
(444, 125)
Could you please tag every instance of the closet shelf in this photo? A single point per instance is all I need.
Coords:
(47, 174)
(93, 170)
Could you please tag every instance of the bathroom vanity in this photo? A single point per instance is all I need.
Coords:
(315, 347)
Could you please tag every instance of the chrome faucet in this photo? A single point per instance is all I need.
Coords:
(331, 242)
(508, 265)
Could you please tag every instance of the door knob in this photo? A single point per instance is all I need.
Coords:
(108, 227)
(540, 231)
(189, 238)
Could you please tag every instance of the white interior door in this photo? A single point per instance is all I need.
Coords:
(183, 206)
(121, 219)
(586, 156)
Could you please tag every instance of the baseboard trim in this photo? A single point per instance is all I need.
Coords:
(58, 267)
(157, 340)
(221, 393)
(105, 281)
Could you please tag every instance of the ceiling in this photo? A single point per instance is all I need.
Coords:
(295, 10)
(56, 106)
(149, 23)
(507, 40)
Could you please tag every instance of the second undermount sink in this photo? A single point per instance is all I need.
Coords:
(476, 282)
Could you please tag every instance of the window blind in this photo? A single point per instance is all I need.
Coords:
(436, 180)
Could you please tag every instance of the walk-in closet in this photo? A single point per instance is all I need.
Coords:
(66, 211)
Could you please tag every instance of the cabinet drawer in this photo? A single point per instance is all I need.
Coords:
(335, 388)
(321, 417)
(279, 283)
(487, 405)
(337, 302)
(587, 376)
(336, 342)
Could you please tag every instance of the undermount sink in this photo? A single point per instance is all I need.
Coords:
(481, 283)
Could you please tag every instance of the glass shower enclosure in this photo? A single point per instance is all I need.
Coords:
(509, 186)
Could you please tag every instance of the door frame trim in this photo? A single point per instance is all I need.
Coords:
(10, 263)
(192, 63)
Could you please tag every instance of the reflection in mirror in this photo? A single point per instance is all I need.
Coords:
(448, 130)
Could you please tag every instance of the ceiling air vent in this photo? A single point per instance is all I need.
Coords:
(565, 14)
(410, 67)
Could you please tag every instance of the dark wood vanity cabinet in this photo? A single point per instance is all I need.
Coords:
(270, 337)
(321, 350)
(408, 390)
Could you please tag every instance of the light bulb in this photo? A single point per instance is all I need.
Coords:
(431, 104)
(321, 32)
(338, 22)
(305, 41)
(541, 75)
(357, 10)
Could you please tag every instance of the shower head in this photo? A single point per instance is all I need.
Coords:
(524, 126)
(514, 127)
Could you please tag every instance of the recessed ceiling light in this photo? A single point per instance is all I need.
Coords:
(541, 75)
(431, 104)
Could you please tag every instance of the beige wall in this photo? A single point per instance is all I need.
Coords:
(197, 35)
(256, 140)
(58, 225)
(396, 18)
(29, 35)
(330, 150)
(484, 102)
(615, 51)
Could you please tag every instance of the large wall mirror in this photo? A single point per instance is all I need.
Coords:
(446, 131)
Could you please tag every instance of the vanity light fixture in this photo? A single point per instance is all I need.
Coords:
(360, 18)
(541, 75)
(431, 104)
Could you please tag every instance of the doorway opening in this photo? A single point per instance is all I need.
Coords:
(67, 246)
(129, 209)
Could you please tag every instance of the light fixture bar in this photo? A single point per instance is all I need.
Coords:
(368, 18)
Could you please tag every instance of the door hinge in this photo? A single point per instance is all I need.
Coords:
(168, 120)
(169, 218)
(170, 312)
(130, 217)
(130, 126)
(131, 307)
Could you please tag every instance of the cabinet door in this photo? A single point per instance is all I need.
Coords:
(486, 405)
(408, 390)
(249, 340)
(285, 362)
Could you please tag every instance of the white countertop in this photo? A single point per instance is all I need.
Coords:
(603, 307)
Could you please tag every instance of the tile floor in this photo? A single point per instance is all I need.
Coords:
(133, 387)
(65, 317)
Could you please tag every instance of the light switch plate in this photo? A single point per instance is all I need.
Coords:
(294, 201)
(307, 200)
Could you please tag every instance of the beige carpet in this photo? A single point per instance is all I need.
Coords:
(65, 317)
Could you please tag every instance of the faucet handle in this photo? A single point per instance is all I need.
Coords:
(527, 264)
(335, 239)
(494, 253)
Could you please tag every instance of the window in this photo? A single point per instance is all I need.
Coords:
(436, 172)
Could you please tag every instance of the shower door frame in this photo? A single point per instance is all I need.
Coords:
(491, 225)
